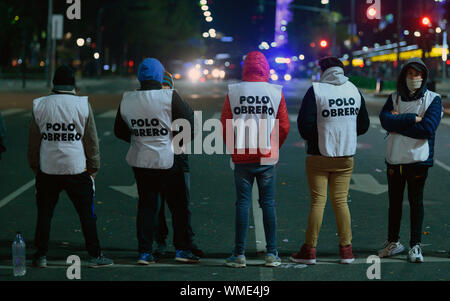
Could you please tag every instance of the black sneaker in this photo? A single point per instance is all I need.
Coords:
(100, 261)
(186, 256)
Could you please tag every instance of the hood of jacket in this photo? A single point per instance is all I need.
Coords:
(256, 68)
(334, 76)
(151, 69)
(402, 88)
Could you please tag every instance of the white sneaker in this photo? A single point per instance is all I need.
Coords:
(415, 254)
(390, 249)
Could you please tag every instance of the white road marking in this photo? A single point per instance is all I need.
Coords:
(220, 262)
(10, 112)
(131, 190)
(16, 193)
(374, 120)
(445, 121)
(108, 114)
(216, 116)
(441, 164)
(368, 184)
(293, 118)
(258, 219)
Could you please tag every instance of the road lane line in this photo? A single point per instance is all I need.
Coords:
(444, 166)
(258, 219)
(16, 193)
(108, 114)
(11, 112)
(218, 262)
(292, 118)
(216, 116)
(374, 120)
(445, 121)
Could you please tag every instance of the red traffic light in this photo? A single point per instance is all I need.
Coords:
(426, 21)
(371, 12)
(323, 43)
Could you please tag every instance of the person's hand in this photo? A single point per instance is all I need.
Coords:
(394, 112)
(418, 119)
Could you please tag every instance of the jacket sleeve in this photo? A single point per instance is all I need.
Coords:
(121, 129)
(363, 121)
(284, 123)
(2, 135)
(227, 115)
(91, 145)
(395, 123)
(429, 124)
(182, 110)
(307, 117)
(34, 144)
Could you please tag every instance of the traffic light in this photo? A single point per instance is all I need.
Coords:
(374, 11)
(371, 13)
(426, 21)
(323, 43)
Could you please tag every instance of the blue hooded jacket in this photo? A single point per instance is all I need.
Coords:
(405, 124)
(151, 69)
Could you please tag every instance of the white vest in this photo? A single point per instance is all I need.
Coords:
(337, 112)
(62, 120)
(255, 107)
(406, 150)
(149, 116)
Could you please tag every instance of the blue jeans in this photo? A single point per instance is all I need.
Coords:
(244, 175)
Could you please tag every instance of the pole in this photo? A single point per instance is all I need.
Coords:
(53, 59)
(399, 34)
(444, 55)
(352, 34)
(100, 41)
(49, 44)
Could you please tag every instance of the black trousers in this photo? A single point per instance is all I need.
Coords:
(162, 229)
(171, 184)
(80, 189)
(398, 176)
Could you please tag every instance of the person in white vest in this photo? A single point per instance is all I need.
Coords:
(145, 120)
(332, 115)
(411, 116)
(258, 106)
(64, 153)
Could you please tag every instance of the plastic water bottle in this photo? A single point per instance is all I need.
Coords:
(19, 251)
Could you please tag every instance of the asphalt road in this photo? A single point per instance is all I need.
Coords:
(212, 203)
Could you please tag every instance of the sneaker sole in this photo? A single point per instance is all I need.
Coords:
(347, 261)
(183, 260)
(143, 262)
(273, 264)
(416, 260)
(236, 265)
(392, 253)
(304, 261)
(39, 266)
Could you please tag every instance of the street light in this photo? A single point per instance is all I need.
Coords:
(80, 42)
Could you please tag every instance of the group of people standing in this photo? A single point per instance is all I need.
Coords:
(64, 153)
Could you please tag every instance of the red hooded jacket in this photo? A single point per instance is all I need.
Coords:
(256, 69)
